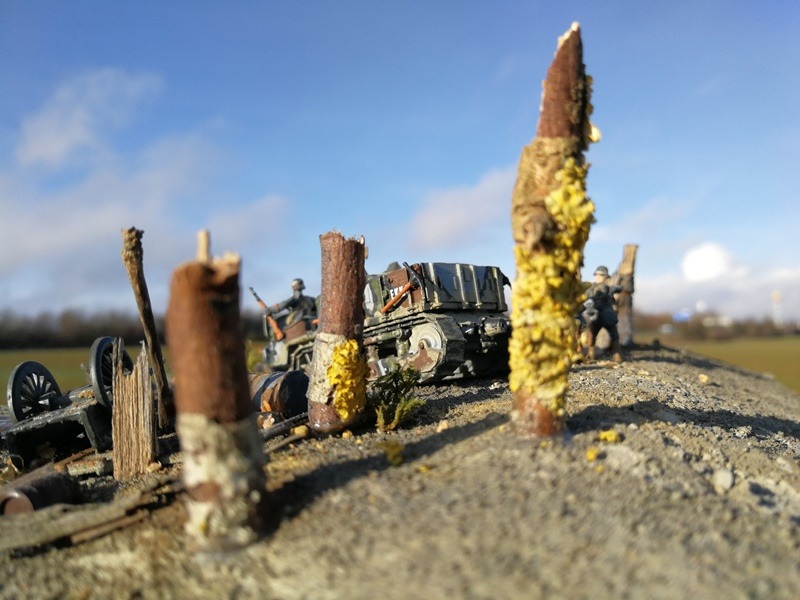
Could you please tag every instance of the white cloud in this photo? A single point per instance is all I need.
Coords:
(712, 278)
(455, 217)
(79, 115)
(707, 261)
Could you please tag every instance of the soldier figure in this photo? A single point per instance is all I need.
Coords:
(298, 305)
(600, 312)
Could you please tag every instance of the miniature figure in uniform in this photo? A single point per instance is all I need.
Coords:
(299, 305)
(600, 312)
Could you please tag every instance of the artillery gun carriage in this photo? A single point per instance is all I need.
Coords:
(446, 320)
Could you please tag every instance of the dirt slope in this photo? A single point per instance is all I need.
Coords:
(698, 497)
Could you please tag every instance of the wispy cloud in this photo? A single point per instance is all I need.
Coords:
(80, 114)
(651, 217)
(253, 226)
(62, 240)
(509, 67)
(454, 217)
(709, 87)
(42, 224)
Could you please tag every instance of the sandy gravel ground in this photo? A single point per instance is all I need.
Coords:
(680, 479)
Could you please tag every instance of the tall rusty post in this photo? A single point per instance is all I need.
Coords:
(133, 258)
(222, 450)
(550, 219)
(337, 386)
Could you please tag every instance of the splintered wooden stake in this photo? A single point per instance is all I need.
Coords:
(337, 387)
(550, 219)
(133, 258)
(133, 424)
(204, 246)
(222, 450)
(624, 278)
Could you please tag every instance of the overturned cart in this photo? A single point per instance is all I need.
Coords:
(46, 420)
(447, 320)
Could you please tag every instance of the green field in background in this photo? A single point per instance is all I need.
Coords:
(778, 356)
(69, 366)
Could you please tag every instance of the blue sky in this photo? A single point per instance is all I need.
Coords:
(270, 123)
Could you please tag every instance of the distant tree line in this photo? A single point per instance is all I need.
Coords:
(74, 328)
(708, 326)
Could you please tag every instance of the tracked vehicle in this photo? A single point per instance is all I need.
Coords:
(447, 320)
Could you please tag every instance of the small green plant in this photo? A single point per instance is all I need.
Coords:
(254, 355)
(392, 397)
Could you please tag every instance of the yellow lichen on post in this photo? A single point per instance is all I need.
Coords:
(337, 380)
(347, 375)
(551, 217)
(546, 296)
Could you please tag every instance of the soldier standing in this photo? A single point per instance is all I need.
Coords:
(600, 312)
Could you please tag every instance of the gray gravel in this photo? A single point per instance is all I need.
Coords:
(697, 497)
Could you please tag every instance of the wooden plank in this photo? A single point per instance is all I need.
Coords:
(133, 420)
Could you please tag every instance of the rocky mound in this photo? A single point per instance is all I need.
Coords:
(680, 478)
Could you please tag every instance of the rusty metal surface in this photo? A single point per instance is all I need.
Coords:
(282, 392)
(26, 495)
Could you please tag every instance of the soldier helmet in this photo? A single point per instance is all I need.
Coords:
(601, 270)
(298, 285)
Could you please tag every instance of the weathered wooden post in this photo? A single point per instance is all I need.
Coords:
(133, 258)
(337, 386)
(222, 450)
(624, 279)
(550, 219)
(133, 422)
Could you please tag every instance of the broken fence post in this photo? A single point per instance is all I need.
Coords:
(133, 420)
(223, 454)
(550, 219)
(624, 278)
(133, 258)
(337, 386)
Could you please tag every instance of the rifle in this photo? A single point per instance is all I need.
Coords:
(279, 335)
(414, 282)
